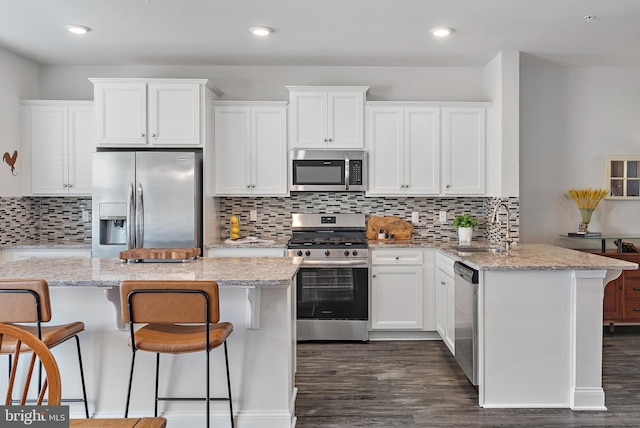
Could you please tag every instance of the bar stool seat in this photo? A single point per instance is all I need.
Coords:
(51, 335)
(180, 339)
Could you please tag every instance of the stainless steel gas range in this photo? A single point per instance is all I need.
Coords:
(333, 281)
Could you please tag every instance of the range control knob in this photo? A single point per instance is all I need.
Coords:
(299, 253)
(346, 253)
(307, 253)
(355, 252)
(327, 253)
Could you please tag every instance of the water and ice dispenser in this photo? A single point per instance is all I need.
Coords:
(113, 223)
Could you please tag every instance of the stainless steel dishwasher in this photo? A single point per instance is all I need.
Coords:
(466, 319)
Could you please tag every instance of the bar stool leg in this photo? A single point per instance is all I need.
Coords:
(208, 386)
(226, 361)
(155, 410)
(84, 388)
(133, 360)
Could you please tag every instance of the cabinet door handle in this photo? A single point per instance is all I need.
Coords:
(70, 185)
(373, 276)
(331, 140)
(443, 283)
(636, 309)
(448, 186)
(397, 257)
(142, 135)
(636, 288)
(65, 185)
(153, 135)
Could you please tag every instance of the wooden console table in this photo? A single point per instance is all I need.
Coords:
(119, 423)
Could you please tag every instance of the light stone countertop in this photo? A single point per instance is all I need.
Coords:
(45, 245)
(521, 256)
(109, 272)
(278, 243)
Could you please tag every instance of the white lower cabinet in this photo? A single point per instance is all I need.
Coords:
(401, 290)
(23, 254)
(445, 300)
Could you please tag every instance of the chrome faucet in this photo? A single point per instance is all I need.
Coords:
(494, 218)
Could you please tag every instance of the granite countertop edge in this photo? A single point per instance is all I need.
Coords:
(278, 243)
(230, 272)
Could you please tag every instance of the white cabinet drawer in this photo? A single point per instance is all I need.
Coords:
(396, 257)
(445, 263)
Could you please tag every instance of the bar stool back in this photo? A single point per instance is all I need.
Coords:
(164, 306)
(26, 300)
(21, 340)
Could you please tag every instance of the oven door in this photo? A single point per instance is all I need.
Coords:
(332, 291)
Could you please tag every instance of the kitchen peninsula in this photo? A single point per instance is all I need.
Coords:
(255, 295)
(539, 325)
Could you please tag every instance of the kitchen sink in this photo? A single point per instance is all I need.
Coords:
(477, 249)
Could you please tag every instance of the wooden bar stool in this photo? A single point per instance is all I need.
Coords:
(21, 339)
(28, 301)
(164, 306)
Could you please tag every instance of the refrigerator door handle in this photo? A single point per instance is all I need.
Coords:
(140, 218)
(130, 219)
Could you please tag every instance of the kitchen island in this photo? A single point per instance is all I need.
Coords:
(539, 319)
(256, 295)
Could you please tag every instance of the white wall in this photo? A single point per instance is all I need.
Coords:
(268, 83)
(570, 118)
(18, 80)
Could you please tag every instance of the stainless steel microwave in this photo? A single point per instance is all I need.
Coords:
(328, 170)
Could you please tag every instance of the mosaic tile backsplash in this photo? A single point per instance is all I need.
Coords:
(274, 214)
(46, 220)
(58, 220)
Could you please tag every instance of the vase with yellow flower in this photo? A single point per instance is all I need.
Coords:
(587, 200)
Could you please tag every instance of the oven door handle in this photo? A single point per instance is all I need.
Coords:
(335, 263)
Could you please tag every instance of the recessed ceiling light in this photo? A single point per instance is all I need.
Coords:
(261, 31)
(441, 31)
(77, 29)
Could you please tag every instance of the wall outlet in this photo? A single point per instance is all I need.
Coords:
(253, 215)
(415, 217)
(442, 216)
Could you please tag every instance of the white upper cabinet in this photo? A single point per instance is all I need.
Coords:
(59, 138)
(426, 148)
(463, 150)
(326, 117)
(404, 146)
(250, 149)
(151, 112)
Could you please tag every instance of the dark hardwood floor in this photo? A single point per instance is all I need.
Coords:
(418, 384)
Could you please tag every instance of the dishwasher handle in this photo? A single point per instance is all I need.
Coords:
(469, 274)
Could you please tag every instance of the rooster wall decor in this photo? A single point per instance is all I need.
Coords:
(11, 161)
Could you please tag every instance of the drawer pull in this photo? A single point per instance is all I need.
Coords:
(636, 309)
(636, 288)
(397, 257)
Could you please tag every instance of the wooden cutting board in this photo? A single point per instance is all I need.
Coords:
(160, 254)
(400, 228)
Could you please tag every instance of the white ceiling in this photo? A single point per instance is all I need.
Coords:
(322, 32)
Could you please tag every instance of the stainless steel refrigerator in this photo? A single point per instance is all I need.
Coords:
(146, 199)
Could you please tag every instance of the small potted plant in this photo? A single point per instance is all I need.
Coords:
(465, 224)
